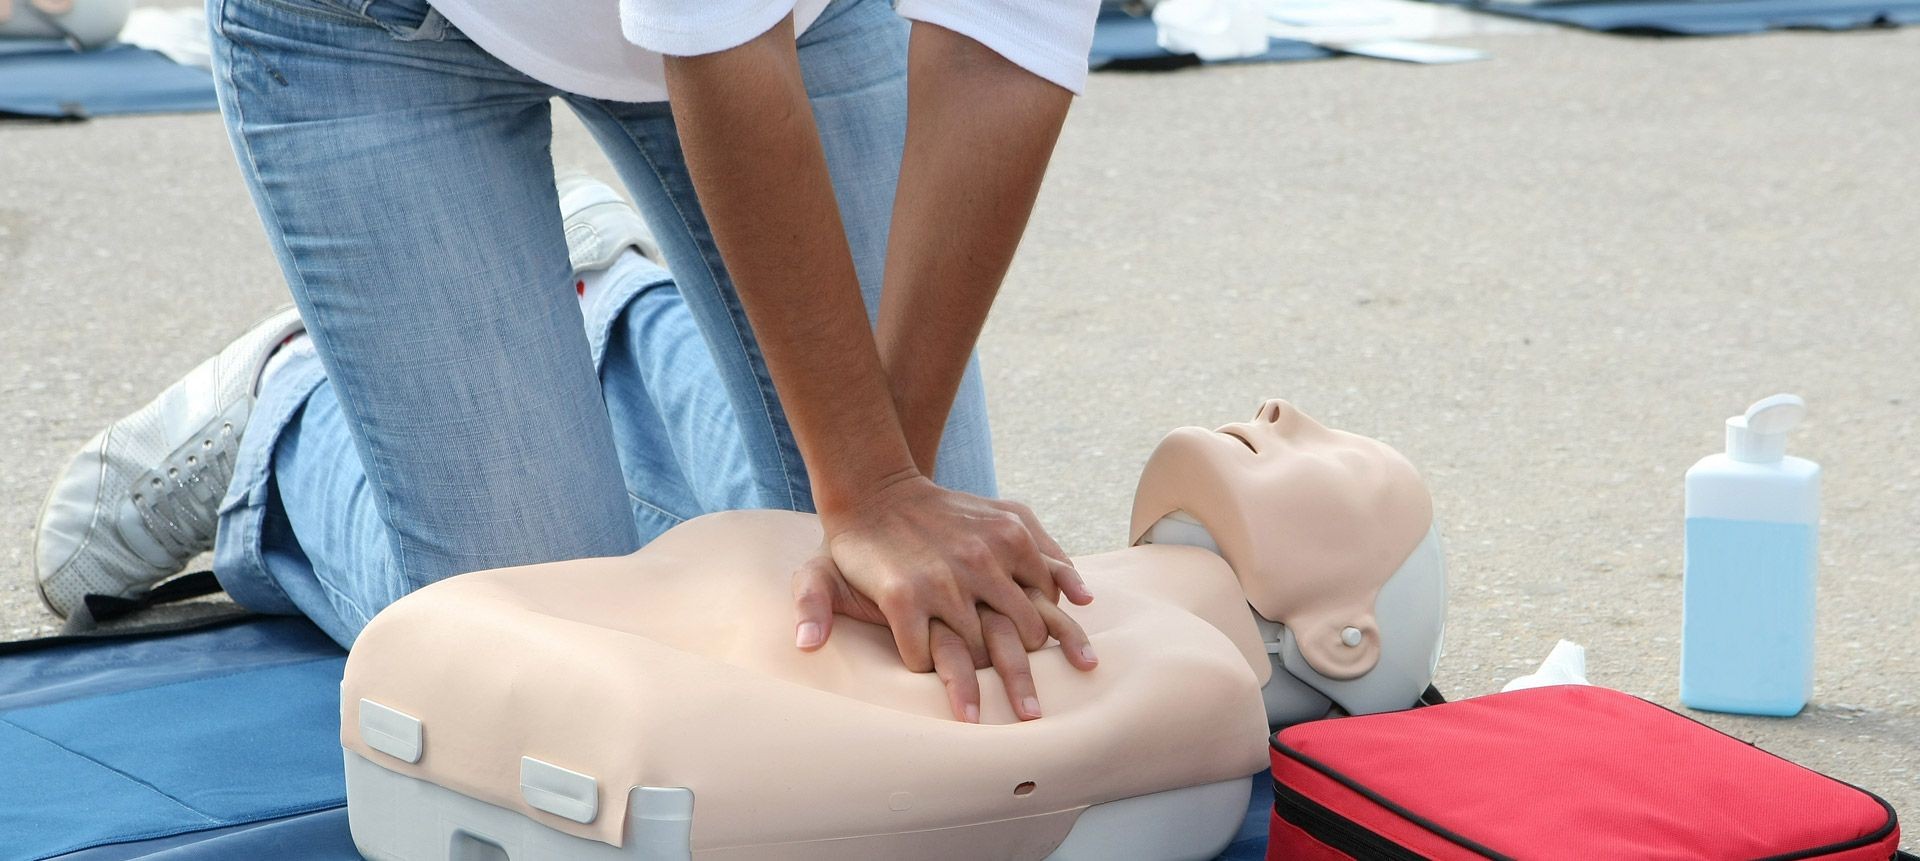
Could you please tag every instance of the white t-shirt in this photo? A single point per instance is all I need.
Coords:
(611, 49)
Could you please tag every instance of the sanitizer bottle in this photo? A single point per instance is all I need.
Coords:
(1746, 642)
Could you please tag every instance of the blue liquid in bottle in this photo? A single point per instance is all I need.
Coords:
(1748, 616)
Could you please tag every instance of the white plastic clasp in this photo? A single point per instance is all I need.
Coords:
(563, 793)
(390, 731)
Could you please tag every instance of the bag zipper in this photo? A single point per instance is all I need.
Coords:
(1334, 830)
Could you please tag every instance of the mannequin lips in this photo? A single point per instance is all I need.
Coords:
(1239, 436)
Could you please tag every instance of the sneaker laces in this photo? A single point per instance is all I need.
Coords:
(178, 507)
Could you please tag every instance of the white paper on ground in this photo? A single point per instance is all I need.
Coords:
(1565, 665)
(1407, 52)
(179, 34)
(1211, 29)
(1323, 21)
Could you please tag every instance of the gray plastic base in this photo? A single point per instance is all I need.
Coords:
(399, 818)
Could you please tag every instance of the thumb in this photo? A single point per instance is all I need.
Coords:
(813, 602)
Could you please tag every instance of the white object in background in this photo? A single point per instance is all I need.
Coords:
(1424, 53)
(1211, 29)
(1565, 665)
(179, 34)
(1324, 14)
(83, 23)
(1324, 22)
(1752, 533)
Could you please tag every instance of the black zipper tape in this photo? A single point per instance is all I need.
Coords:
(1337, 832)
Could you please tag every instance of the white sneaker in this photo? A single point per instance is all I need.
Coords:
(139, 500)
(600, 223)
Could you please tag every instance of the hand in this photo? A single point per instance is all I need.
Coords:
(914, 553)
(820, 591)
(955, 664)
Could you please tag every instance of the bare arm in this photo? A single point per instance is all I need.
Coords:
(980, 131)
(755, 157)
(927, 561)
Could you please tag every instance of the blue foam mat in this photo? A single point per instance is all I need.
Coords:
(1711, 17)
(1123, 41)
(167, 739)
(214, 745)
(42, 78)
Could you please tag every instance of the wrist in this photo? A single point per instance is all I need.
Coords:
(843, 494)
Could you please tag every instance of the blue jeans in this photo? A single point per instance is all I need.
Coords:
(465, 412)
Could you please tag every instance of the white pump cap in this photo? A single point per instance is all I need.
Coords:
(1760, 436)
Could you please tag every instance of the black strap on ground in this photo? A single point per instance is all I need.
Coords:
(132, 632)
(84, 625)
(1431, 697)
(106, 608)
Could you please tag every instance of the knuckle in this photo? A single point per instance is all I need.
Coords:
(948, 591)
(895, 596)
(973, 554)
(1012, 526)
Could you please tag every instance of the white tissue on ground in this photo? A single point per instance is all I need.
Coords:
(1215, 30)
(1565, 665)
(180, 34)
(1212, 29)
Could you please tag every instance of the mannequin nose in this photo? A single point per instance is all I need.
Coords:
(1274, 411)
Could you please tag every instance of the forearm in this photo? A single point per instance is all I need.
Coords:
(980, 131)
(747, 130)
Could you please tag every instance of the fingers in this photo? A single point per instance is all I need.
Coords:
(1010, 661)
(813, 587)
(1009, 600)
(1073, 640)
(909, 624)
(953, 663)
(1068, 579)
(959, 617)
(1061, 573)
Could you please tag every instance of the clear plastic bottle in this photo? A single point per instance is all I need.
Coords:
(1752, 546)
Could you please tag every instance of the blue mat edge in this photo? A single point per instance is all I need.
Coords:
(1705, 17)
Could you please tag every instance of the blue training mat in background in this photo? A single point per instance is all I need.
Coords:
(1710, 17)
(45, 78)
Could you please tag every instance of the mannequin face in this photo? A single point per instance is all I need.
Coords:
(1312, 520)
(1277, 431)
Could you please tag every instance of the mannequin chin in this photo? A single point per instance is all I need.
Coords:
(674, 668)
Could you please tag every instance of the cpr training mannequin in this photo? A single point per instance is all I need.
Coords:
(654, 706)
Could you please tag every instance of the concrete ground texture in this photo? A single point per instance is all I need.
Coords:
(1547, 278)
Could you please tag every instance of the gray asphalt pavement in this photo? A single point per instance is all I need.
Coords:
(1547, 278)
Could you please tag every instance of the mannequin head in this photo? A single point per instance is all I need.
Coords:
(1314, 521)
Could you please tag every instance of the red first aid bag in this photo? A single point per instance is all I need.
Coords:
(1569, 772)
